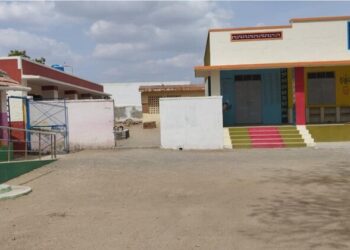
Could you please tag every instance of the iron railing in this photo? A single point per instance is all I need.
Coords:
(18, 144)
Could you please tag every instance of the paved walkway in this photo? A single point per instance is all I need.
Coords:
(161, 199)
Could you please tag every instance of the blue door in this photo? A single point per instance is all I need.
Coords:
(227, 92)
(272, 111)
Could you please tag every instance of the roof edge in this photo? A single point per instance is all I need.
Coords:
(33, 77)
(157, 88)
(62, 72)
(291, 21)
(319, 19)
(251, 28)
(202, 68)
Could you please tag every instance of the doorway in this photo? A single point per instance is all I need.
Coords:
(248, 90)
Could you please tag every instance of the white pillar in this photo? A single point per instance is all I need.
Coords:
(215, 83)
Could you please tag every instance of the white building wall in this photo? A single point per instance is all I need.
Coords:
(215, 83)
(127, 94)
(16, 106)
(305, 41)
(191, 122)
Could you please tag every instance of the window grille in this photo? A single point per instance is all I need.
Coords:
(153, 103)
(321, 88)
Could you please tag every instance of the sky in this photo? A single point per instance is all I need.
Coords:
(136, 41)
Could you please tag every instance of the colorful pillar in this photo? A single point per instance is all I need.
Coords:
(300, 96)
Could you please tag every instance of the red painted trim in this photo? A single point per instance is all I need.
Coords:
(44, 88)
(18, 137)
(31, 68)
(300, 96)
(11, 68)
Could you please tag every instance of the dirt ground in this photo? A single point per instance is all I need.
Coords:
(161, 199)
(140, 138)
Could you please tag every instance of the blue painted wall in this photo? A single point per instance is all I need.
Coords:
(271, 94)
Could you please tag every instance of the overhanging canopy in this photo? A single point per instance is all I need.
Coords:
(204, 71)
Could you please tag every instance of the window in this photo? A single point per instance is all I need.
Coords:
(320, 75)
(321, 88)
(153, 102)
(248, 77)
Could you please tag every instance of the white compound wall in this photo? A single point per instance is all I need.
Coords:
(191, 123)
(90, 123)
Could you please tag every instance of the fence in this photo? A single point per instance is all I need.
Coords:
(41, 144)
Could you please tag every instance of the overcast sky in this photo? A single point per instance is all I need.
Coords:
(136, 41)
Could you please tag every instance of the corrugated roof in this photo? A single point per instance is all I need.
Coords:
(172, 88)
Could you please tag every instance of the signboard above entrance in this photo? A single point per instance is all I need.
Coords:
(235, 37)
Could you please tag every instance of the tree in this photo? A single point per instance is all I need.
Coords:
(23, 53)
(18, 53)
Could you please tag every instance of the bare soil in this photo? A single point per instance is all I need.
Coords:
(162, 199)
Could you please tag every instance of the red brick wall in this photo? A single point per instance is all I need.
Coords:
(30, 68)
(10, 66)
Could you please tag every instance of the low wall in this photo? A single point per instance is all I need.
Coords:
(10, 170)
(90, 124)
(330, 133)
(191, 122)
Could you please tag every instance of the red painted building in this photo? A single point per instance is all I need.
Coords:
(42, 82)
(50, 83)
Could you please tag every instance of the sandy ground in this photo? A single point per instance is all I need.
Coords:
(140, 138)
(161, 199)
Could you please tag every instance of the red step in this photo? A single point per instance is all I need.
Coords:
(273, 136)
(268, 145)
(265, 137)
(262, 129)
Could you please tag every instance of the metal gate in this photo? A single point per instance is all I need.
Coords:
(50, 115)
(40, 115)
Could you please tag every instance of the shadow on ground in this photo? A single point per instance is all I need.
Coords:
(313, 208)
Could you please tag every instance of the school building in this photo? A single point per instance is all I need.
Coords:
(43, 82)
(296, 74)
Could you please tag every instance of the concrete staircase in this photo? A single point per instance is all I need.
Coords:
(266, 137)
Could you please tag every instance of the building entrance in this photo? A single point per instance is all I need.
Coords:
(248, 99)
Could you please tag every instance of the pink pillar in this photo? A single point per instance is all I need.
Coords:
(300, 96)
